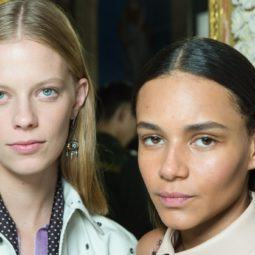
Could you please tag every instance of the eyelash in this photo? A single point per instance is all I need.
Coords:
(212, 142)
(54, 93)
(54, 90)
(159, 141)
(151, 137)
(3, 94)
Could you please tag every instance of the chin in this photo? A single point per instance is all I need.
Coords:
(29, 167)
(179, 220)
(25, 172)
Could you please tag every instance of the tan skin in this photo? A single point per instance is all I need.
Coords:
(185, 149)
(149, 242)
(36, 91)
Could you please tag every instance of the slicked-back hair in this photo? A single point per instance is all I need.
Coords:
(212, 60)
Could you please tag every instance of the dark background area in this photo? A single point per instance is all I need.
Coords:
(119, 36)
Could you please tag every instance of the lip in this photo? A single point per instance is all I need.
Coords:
(26, 147)
(174, 199)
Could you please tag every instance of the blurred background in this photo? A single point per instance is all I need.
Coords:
(119, 36)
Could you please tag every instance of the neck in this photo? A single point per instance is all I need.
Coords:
(29, 199)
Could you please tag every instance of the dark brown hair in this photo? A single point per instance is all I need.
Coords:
(212, 60)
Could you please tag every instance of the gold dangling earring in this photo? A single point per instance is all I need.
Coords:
(72, 146)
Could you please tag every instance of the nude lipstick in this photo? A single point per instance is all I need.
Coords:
(26, 147)
(174, 199)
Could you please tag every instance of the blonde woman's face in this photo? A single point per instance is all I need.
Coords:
(194, 152)
(38, 98)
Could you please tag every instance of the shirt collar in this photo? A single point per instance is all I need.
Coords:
(8, 227)
(236, 239)
(74, 202)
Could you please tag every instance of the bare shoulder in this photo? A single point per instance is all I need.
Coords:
(149, 242)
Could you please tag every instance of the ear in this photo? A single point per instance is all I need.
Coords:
(251, 165)
(81, 92)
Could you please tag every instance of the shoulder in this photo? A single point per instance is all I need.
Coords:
(103, 235)
(115, 233)
(149, 242)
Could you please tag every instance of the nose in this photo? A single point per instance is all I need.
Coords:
(24, 116)
(174, 164)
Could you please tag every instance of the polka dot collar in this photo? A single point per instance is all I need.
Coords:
(9, 231)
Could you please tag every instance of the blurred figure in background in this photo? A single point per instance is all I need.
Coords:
(122, 180)
(135, 39)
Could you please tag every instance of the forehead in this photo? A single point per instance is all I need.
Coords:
(185, 98)
(29, 60)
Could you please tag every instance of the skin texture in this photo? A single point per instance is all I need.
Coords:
(199, 146)
(38, 99)
(27, 112)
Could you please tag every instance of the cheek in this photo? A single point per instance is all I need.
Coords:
(58, 120)
(219, 171)
(60, 128)
(149, 164)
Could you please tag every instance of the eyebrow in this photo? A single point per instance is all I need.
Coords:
(50, 80)
(147, 125)
(204, 126)
(189, 128)
(41, 83)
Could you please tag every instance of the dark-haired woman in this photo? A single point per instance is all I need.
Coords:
(195, 109)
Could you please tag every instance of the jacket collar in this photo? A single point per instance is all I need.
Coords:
(236, 239)
(74, 202)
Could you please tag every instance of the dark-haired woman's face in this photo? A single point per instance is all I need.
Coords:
(194, 152)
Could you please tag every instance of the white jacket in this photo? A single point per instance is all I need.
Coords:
(84, 234)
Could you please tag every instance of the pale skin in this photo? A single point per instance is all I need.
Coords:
(38, 99)
(186, 149)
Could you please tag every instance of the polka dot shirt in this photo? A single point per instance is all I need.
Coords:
(8, 227)
(9, 231)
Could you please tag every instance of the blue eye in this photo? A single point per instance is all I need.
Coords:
(48, 93)
(2, 95)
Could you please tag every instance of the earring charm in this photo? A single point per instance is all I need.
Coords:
(72, 145)
(72, 148)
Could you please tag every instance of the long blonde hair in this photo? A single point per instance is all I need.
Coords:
(46, 23)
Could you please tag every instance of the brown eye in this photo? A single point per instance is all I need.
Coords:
(153, 140)
(205, 142)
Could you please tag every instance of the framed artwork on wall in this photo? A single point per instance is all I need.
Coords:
(233, 22)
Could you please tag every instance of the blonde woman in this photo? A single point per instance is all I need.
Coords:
(51, 200)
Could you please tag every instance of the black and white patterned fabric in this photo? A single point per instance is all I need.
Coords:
(9, 231)
(7, 227)
(56, 220)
